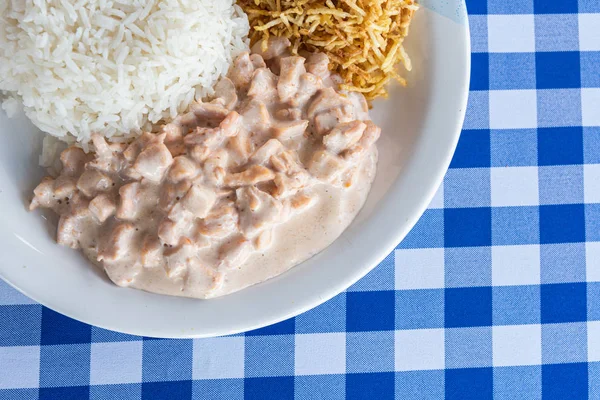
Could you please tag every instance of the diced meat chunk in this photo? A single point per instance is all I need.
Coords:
(234, 253)
(256, 117)
(327, 120)
(325, 166)
(135, 148)
(289, 114)
(225, 90)
(264, 240)
(209, 112)
(251, 176)
(102, 207)
(274, 47)
(289, 79)
(71, 227)
(287, 162)
(215, 165)
(361, 107)
(263, 86)
(208, 137)
(258, 61)
(318, 64)
(103, 149)
(92, 182)
(73, 160)
(220, 222)
(119, 243)
(182, 168)
(301, 201)
(258, 210)
(179, 259)
(197, 202)
(231, 125)
(150, 253)
(241, 71)
(309, 84)
(129, 197)
(171, 193)
(64, 186)
(169, 232)
(344, 136)
(153, 161)
(367, 140)
(199, 153)
(43, 194)
(263, 154)
(289, 130)
(286, 185)
(326, 100)
(240, 148)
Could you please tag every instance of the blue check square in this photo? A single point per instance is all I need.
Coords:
(591, 145)
(512, 71)
(565, 381)
(379, 278)
(65, 365)
(590, 69)
(218, 389)
(592, 222)
(561, 184)
(466, 307)
(589, 6)
(480, 71)
(369, 351)
(562, 263)
(469, 384)
(20, 325)
(104, 335)
(504, 7)
(328, 317)
(563, 302)
(513, 147)
(560, 146)
(556, 32)
(473, 149)
(478, 111)
(427, 233)
(469, 187)
(370, 311)
(325, 387)
(59, 329)
(378, 386)
(64, 393)
(282, 328)
(468, 266)
(269, 356)
(420, 309)
(593, 301)
(564, 343)
(20, 394)
(479, 33)
(594, 380)
(167, 390)
(476, 7)
(562, 223)
(156, 356)
(466, 227)
(556, 70)
(559, 107)
(515, 225)
(420, 385)
(516, 305)
(469, 347)
(555, 7)
(122, 391)
(279, 388)
(521, 382)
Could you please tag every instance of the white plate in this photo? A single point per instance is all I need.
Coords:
(421, 125)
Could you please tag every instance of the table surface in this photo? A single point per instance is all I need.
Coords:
(494, 294)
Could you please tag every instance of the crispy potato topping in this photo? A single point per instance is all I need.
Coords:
(362, 38)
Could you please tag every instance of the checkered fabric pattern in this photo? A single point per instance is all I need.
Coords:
(494, 294)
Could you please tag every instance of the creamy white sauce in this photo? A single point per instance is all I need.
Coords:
(233, 193)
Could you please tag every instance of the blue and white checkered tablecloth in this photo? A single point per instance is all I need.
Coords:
(494, 294)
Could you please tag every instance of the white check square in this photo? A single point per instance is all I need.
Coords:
(592, 262)
(116, 362)
(511, 33)
(320, 354)
(589, 34)
(593, 341)
(20, 367)
(420, 349)
(513, 109)
(419, 269)
(220, 357)
(590, 106)
(517, 345)
(514, 186)
(591, 182)
(516, 265)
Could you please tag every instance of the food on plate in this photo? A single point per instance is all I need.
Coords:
(260, 176)
(362, 38)
(113, 67)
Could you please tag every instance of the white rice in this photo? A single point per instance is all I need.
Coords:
(113, 67)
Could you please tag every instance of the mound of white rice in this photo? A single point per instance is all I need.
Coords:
(113, 67)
